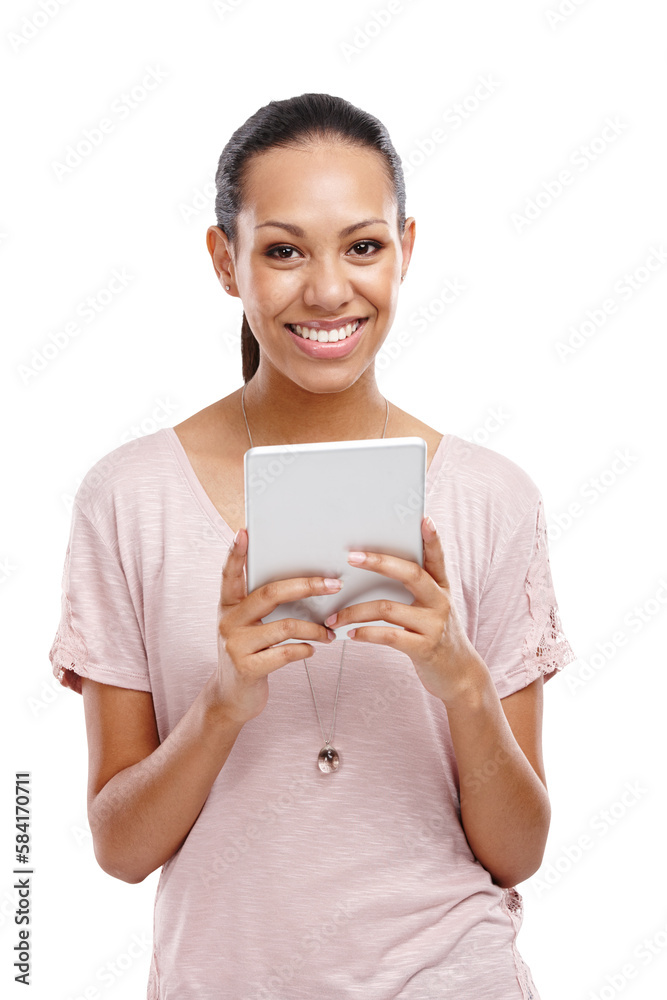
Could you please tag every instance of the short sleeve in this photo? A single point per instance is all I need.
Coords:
(99, 634)
(519, 634)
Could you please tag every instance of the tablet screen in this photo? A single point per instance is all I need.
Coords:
(308, 505)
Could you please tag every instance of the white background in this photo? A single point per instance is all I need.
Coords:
(141, 202)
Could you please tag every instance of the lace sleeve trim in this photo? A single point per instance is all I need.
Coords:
(546, 644)
(512, 902)
(69, 651)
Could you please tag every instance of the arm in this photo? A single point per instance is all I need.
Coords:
(143, 795)
(505, 809)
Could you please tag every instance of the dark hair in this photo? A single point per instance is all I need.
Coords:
(296, 121)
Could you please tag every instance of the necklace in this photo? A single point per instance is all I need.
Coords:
(328, 759)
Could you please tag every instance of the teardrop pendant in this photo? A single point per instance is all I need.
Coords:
(327, 759)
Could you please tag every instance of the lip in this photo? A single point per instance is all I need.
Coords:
(315, 349)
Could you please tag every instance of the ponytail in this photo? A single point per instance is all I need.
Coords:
(249, 351)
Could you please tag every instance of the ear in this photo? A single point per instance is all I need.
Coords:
(220, 249)
(408, 242)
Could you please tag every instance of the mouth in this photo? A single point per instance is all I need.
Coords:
(326, 336)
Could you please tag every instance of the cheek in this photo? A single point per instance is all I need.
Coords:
(379, 287)
(271, 293)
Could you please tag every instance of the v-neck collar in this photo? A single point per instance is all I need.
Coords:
(214, 515)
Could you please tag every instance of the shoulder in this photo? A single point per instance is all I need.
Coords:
(490, 471)
(475, 469)
(130, 474)
(490, 487)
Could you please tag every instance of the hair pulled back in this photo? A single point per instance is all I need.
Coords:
(296, 121)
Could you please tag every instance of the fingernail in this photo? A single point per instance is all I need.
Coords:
(356, 557)
(332, 635)
(430, 525)
(236, 537)
(332, 584)
(331, 620)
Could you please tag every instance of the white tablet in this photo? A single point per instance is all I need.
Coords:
(308, 505)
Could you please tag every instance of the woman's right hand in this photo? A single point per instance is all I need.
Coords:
(246, 650)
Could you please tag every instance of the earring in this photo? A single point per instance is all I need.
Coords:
(402, 276)
(227, 288)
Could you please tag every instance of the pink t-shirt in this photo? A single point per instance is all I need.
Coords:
(294, 883)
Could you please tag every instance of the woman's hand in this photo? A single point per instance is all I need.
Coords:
(432, 636)
(246, 650)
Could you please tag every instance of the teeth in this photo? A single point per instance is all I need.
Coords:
(325, 336)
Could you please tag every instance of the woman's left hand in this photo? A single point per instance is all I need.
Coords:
(432, 636)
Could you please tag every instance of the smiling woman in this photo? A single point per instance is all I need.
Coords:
(394, 877)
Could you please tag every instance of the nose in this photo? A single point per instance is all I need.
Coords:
(327, 284)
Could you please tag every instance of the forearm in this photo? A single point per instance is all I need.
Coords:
(505, 809)
(143, 813)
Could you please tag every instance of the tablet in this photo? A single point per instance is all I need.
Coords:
(308, 505)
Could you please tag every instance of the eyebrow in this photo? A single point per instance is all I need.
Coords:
(297, 231)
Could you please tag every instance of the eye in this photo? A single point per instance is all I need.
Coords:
(365, 244)
(277, 252)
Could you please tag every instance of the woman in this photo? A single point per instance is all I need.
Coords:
(395, 876)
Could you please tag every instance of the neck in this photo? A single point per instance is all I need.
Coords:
(281, 412)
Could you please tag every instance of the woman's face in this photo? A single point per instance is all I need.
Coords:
(318, 246)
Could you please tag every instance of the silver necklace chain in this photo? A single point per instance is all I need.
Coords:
(327, 742)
